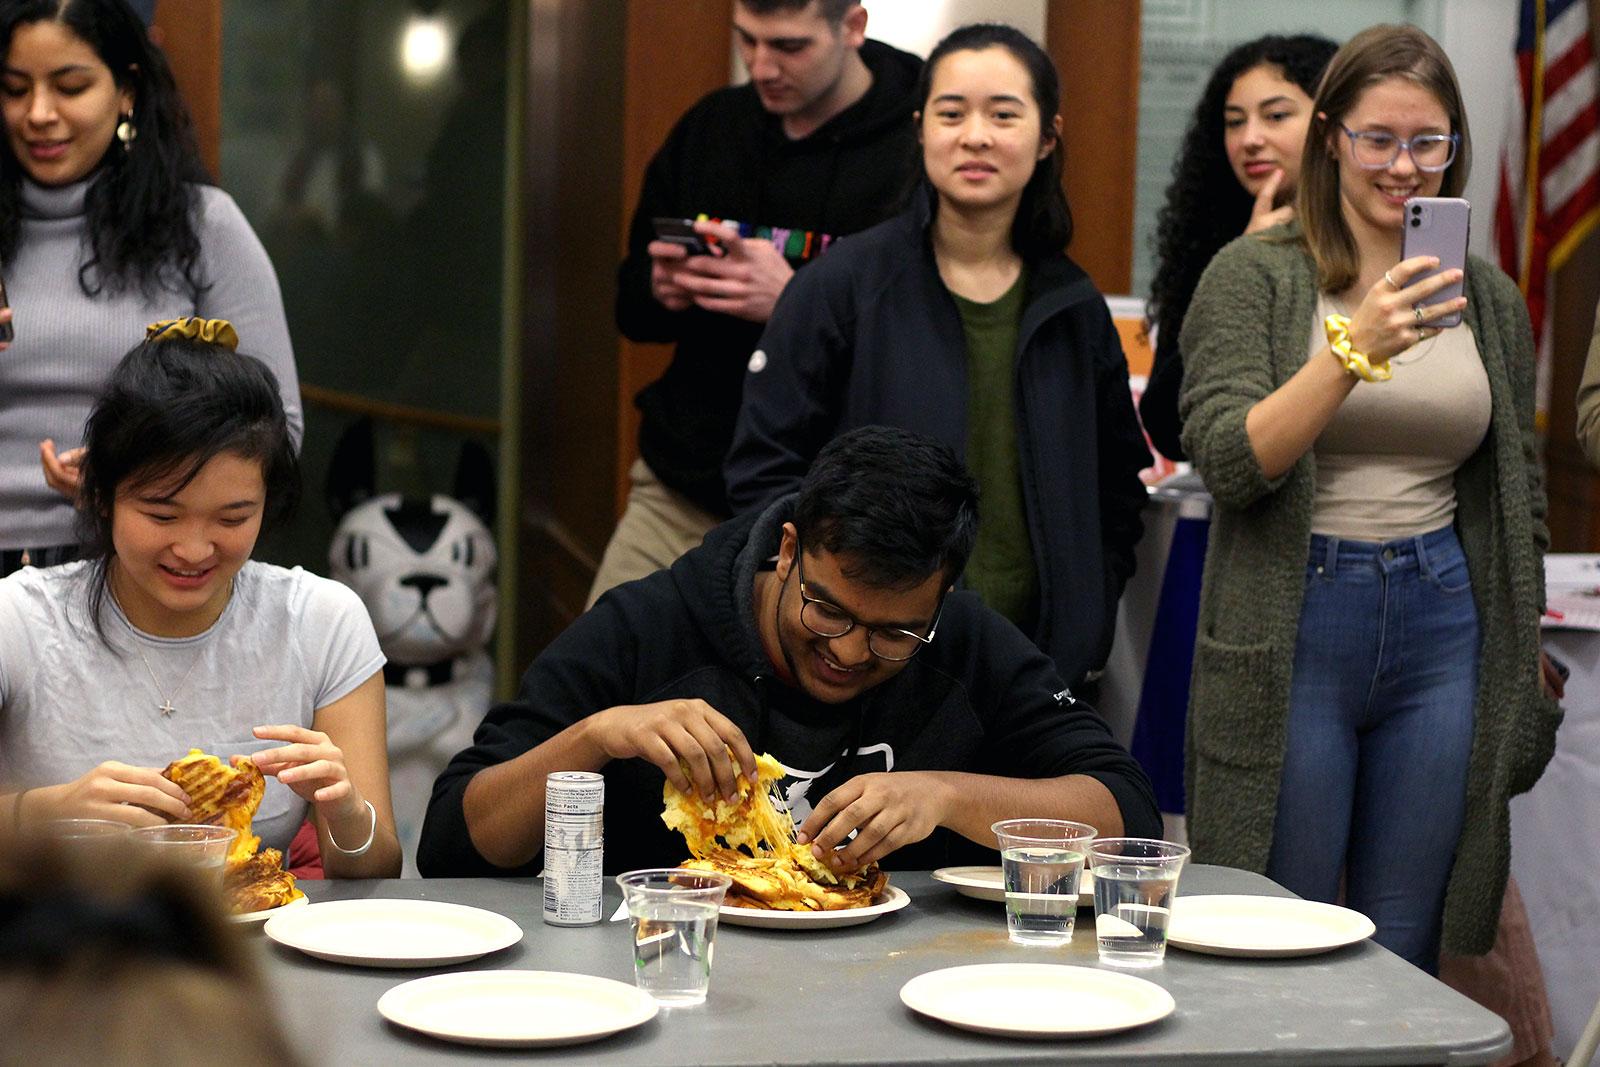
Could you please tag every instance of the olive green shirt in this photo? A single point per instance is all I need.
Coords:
(1002, 569)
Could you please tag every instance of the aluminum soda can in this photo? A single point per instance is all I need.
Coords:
(574, 840)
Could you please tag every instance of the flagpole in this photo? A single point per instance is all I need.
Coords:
(1535, 135)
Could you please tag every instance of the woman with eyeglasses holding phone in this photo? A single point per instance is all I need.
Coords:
(1367, 691)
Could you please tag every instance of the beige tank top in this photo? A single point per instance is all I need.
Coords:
(1386, 463)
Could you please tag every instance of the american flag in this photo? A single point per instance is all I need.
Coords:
(1549, 189)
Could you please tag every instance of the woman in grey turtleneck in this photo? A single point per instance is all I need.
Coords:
(107, 224)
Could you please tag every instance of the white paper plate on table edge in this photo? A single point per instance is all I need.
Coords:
(247, 918)
(988, 883)
(517, 1008)
(393, 932)
(891, 899)
(1241, 925)
(1036, 999)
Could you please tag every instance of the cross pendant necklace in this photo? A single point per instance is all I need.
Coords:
(166, 708)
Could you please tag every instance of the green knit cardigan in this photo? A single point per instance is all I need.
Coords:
(1247, 331)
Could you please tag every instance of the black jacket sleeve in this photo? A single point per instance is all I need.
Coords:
(588, 668)
(640, 316)
(1158, 407)
(1122, 455)
(1037, 731)
(790, 404)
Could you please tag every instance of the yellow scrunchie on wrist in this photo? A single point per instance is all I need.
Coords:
(213, 331)
(1338, 329)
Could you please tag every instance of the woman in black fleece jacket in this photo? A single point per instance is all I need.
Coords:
(963, 319)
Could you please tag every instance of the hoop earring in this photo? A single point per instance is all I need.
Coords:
(127, 132)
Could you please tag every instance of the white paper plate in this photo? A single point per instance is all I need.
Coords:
(892, 899)
(1036, 999)
(1263, 926)
(250, 918)
(988, 883)
(393, 933)
(516, 1008)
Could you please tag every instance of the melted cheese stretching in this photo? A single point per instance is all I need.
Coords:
(751, 822)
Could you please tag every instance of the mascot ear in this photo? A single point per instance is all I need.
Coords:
(351, 475)
(475, 481)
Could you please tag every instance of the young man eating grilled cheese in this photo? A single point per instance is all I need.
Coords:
(826, 631)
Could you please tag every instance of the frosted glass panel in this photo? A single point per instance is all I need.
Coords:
(364, 140)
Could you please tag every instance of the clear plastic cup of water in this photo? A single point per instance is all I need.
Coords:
(1134, 881)
(96, 840)
(673, 915)
(197, 845)
(82, 829)
(1041, 860)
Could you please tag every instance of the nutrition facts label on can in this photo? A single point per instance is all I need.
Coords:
(574, 839)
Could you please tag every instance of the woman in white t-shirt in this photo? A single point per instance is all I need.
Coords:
(168, 637)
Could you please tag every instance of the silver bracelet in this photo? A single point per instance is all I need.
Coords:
(371, 833)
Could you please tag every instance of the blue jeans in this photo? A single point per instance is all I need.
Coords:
(1380, 733)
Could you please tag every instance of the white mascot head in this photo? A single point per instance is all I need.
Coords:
(425, 568)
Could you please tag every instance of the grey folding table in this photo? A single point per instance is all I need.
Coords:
(833, 996)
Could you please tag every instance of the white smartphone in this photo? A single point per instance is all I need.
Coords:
(1438, 226)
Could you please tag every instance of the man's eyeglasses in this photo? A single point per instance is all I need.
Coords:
(1376, 149)
(886, 642)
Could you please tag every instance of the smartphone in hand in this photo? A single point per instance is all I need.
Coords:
(682, 232)
(1438, 226)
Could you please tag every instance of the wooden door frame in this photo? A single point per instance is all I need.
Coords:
(190, 33)
(1095, 46)
(676, 52)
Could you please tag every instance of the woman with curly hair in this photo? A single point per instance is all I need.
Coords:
(107, 222)
(1236, 173)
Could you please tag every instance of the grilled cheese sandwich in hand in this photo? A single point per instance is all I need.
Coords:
(224, 795)
(773, 871)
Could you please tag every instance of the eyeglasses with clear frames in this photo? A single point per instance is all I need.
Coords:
(1376, 149)
(886, 642)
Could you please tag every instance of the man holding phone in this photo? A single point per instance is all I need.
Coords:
(818, 144)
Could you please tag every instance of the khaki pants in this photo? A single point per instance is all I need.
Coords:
(657, 527)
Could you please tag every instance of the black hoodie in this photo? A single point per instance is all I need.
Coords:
(981, 698)
(728, 158)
